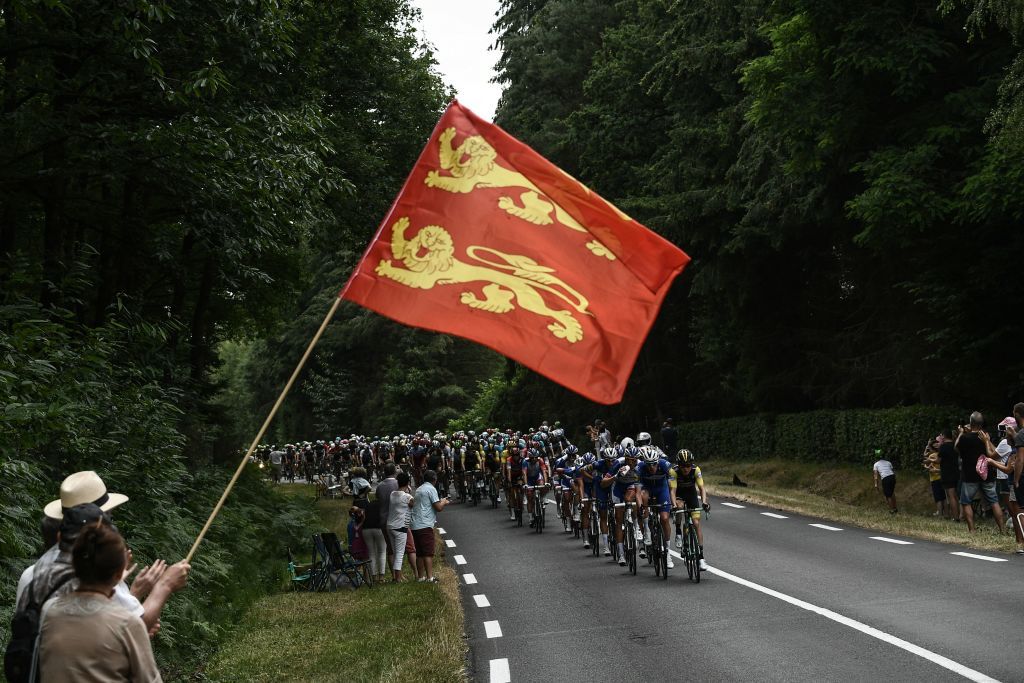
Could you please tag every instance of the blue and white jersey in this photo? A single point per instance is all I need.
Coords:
(623, 480)
(601, 468)
(654, 475)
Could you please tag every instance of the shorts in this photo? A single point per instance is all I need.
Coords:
(423, 539)
(533, 481)
(1018, 492)
(1013, 493)
(968, 490)
(691, 500)
(889, 485)
(938, 492)
(659, 494)
(951, 484)
(1003, 487)
(410, 545)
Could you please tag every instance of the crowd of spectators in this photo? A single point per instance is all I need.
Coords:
(970, 472)
(396, 523)
(76, 617)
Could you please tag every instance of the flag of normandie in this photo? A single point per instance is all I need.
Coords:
(490, 241)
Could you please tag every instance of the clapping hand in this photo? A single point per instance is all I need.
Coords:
(147, 578)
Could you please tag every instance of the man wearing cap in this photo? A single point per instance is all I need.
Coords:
(86, 491)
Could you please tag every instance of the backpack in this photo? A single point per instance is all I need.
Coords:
(20, 655)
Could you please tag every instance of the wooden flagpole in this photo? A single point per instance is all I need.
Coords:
(263, 429)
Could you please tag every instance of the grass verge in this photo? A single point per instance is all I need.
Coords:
(405, 632)
(846, 494)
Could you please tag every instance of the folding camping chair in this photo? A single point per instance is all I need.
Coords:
(300, 575)
(343, 565)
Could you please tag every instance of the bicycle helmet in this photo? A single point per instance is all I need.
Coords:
(558, 433)
(643, 439)
(589, 459)
(650, 454)
(626, 442)
(571, 450)
(533, 453)
(630, 452)
(609, 453)
(684, 457)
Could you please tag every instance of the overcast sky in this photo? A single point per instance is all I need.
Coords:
(459, 32)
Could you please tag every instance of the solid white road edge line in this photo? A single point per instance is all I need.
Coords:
(441, 531)
(981, 557)
(890, 540)
(826, 527)
(733, 505)
(481, 600)
(772, 514)
(449, 542)
(459, 559)
(493, 629)
(944, 662)
(470, 579)
(499, 671)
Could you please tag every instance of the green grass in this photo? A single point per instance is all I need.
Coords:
(846, 494)
(405, 632)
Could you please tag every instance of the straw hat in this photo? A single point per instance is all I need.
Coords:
(80, 488)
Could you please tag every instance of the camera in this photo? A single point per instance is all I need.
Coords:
(1001, 429)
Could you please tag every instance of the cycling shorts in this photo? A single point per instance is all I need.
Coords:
(690, 499)
(533, 481)
(619, 490)
(659, 494)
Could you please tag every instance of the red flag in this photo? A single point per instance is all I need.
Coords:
(490, 241)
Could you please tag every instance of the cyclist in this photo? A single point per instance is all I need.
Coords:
(623, 480)
(565, 477)
(472, 455)
(689, 492)
(654, 473)
(535, 471)
(493, 464)
(583, 484)
(601, 492)
(513, 471)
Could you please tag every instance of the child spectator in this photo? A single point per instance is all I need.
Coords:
(885, 475)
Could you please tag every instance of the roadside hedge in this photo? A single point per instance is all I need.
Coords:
(849, 436)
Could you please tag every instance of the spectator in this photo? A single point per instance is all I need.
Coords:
(669, 438)
(885, 475)
(382, 493)
(49, 528)
(52, 571)
(931, 464)
(973, 444)
(426, 505)
(373, 536)
(398, 522)
(86, 635)
(1016, 480)
(949, 474)
(356, 540)
(1006, 465)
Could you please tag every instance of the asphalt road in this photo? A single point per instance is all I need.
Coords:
(784, 601)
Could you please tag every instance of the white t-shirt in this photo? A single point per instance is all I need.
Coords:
(122, 594)
(1003, 450)
(398, 510)
(884, 469)
(276, 457)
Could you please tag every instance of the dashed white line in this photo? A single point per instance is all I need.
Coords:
(981, 557)
(493, 629)
(449, 542)
(773, 515)
(944, 662)
(826, 527)
(459, 559)
(441, 531)
(499, 671)
(890, 540)
(470, 579)
(481, 600)
(733, 505)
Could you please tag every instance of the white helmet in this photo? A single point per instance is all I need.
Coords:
(650, 454)
(626, 443)
(643, 439)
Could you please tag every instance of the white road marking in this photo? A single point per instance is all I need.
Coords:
(944, 662)
(890, 540)
(772, 514)
(981, 557)
(469, 579)
(826, 527)
(493, 629)
(733, 505)
(441, 531)
(459, 559)
(499, 671)
(449, 542)
(481, 600)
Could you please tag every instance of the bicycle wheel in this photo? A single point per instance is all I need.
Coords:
(694, 554)
(654, 554)
(595, 531)
(630, 536)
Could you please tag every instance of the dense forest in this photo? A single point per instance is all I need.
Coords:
(185, 186)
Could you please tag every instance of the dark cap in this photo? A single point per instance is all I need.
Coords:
(77, 518)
